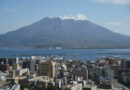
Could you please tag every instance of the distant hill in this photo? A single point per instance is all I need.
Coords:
(69, 33)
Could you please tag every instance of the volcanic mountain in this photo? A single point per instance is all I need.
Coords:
(68, 33)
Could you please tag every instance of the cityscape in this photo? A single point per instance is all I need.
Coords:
(57, 73)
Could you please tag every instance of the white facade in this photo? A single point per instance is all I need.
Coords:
(72, 87)
(15, 87)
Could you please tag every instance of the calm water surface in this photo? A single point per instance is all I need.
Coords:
(82, 54)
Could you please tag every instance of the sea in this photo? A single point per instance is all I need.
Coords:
(80, 54)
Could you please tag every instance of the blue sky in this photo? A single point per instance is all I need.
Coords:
(112, 14)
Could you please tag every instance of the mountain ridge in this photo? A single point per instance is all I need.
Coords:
(69, 33)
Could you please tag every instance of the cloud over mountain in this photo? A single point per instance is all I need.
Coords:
(77, 17)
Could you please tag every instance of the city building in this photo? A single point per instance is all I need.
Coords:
(72, 86)
(4, 67)
(30, 64)
(20, 72)
(47, 69)
(125, 63)
(81, 72)
(15, 87)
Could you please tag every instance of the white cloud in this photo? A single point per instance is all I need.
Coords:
(119, 2)
(114, 23)
(77, 17)
(8, 9)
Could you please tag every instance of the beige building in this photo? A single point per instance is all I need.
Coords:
(73, 86)
(47, 69)
(20, 73)
(16, 67)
